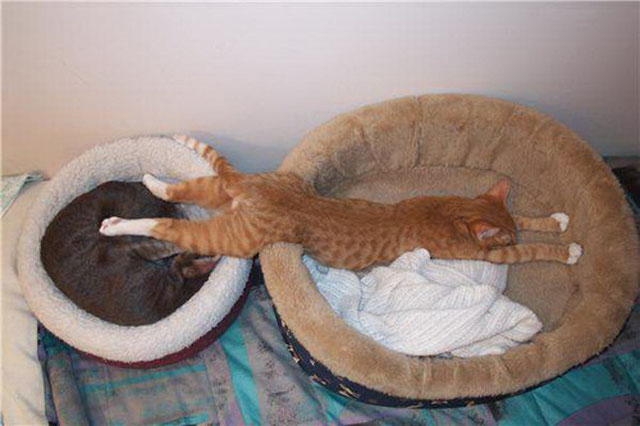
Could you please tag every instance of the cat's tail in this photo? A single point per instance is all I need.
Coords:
(219, 164)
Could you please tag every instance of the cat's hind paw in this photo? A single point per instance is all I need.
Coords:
(562, 219)
(575, 252)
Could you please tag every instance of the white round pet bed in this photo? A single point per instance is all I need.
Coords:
(192, 326)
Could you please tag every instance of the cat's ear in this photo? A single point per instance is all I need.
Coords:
(482, 230)
(500, 190)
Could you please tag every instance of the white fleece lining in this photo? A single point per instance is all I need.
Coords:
(126, 160)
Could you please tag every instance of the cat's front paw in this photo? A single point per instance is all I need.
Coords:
(156, 186)
(118, 226)
(562, 219)
(575, 252)
(109, 226)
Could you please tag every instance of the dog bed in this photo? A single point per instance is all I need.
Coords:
(192, 326)
(461, 144)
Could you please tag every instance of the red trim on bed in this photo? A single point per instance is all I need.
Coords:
(196, 346)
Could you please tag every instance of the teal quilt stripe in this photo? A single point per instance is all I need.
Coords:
(244, 386)
(631, 365)
(567, 394)
(190, 420)
(109, 386)
(334, 404)
(428, 417)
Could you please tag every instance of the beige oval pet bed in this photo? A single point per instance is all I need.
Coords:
(456, 144)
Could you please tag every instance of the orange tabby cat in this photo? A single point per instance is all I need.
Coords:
(260, 209)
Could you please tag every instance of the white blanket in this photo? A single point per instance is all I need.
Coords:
(423, 306)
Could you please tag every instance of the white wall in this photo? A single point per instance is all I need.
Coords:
(258, 77)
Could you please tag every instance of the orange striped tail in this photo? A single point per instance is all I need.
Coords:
(219, 164)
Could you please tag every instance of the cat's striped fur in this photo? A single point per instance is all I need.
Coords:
(259, 209)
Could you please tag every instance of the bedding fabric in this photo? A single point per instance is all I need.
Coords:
(11, 187)
(22, 393)
(247, 376)
(423, 306)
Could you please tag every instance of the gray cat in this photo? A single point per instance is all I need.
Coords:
(126, 280)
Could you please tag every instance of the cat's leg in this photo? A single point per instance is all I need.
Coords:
(205, 191)
(519, 253)
(113, 226)
(228, 235)
(557, 222)
(522, 253)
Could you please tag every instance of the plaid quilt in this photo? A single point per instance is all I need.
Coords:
(248, 377)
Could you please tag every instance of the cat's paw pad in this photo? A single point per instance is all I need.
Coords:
(155, 185)
(148, 179)
(563, 220)
(108, 226)
(575, 251)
